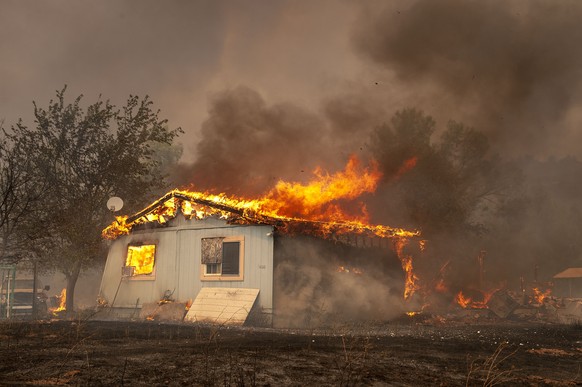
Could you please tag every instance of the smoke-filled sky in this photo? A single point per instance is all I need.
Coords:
(268, 90)
(291, 84)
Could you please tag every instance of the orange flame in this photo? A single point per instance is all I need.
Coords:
(462, 300)
(410, 279)
(440, 285)
(142, 258)
(406, 166)
(353, 270)
(62, 302)
(469, 302)
(540, 295)
(410, 282)
(317, 200)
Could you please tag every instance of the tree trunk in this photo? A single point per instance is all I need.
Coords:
(72, 278)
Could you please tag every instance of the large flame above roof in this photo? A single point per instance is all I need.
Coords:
(315, 207)
(318, 200)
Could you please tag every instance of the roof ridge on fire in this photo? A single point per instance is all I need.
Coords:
(199, 205)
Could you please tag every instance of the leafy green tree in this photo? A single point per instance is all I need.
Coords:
(82, 157)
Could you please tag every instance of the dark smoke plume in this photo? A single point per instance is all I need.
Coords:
(512, 69)
(248, 145)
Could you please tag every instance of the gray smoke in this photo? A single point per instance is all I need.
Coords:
(320, 77)
(311, 290)
(512, 69)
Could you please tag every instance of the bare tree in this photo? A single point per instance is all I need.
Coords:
(20, 192)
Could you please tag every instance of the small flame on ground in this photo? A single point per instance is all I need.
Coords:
(541, 295)
(62, 302)
(462, 300)
(468, 302)
(417, 312)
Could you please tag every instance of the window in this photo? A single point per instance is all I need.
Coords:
(222, 258)
(140, 260)
(213, 268)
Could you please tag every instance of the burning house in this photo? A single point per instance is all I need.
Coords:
(178, 245)
(221, 257)
(299, 255)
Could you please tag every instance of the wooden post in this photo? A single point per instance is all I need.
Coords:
(480, 260)
(34, 306)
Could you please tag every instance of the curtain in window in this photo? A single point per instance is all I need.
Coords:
(211, 250)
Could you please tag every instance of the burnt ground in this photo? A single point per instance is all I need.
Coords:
(406, 353)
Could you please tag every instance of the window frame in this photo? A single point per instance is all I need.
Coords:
(204, 276)
(141, 277)
(218, 269)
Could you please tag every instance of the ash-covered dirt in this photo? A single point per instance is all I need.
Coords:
(406, 353)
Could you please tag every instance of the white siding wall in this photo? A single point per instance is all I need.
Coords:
(177, 266)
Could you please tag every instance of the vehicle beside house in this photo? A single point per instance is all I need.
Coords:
(18, 298)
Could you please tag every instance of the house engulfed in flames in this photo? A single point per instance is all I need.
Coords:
(218, 255)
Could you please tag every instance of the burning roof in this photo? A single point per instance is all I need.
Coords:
(197, 205)
(292, 208)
